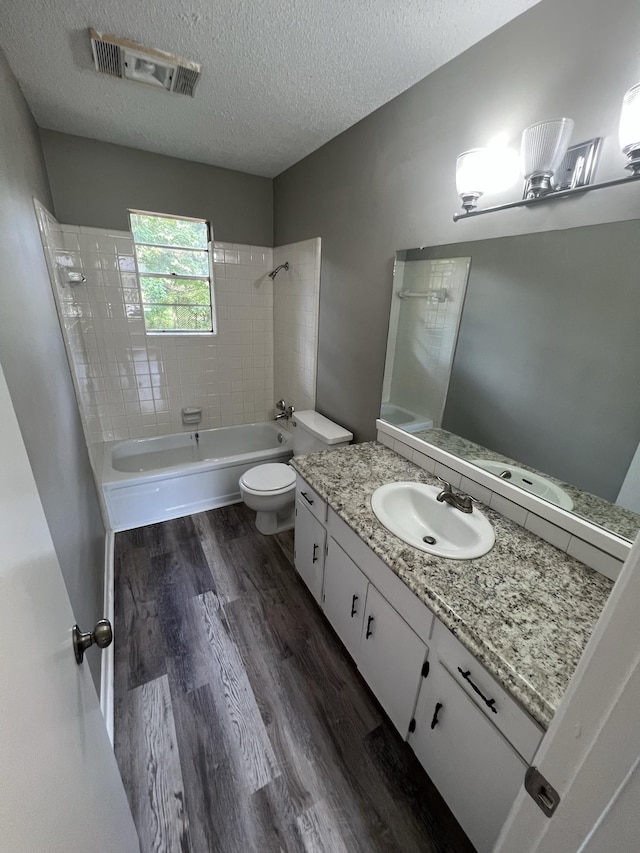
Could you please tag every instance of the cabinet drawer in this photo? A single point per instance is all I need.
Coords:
(514, 722)
(311, 499)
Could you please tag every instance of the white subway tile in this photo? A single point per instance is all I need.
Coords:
(509, 509)
(549, 532)
(594, 558)
(480, 493)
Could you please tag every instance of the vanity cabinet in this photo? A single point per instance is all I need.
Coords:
(471, 764)
(387, 652)
(472, 738)
(309, 549)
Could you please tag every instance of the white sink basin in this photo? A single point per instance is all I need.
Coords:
(412, 513)
(534, 483)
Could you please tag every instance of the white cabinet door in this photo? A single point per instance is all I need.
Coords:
(344, 596)
(390, 659)
(310, 539)
(477, 772)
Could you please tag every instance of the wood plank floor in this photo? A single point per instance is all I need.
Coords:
(241, 724)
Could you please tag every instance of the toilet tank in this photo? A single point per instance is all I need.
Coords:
(313, 432)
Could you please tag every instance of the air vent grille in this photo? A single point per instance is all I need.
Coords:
(108, 57)
(185, 80)
(120, 57)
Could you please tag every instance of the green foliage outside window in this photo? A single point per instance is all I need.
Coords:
(173, 262)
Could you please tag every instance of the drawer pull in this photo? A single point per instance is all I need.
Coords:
(434, 721)
(315, 554)
(490, 703)
(369, 631)
(307, 499)
(353, 605)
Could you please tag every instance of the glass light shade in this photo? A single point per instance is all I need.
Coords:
(473, 172)
(544, 144)
(629, 131)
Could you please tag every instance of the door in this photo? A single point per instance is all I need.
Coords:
(477, 772)
(310, 539)
(390, 659)
(344, 596)
(60, 788)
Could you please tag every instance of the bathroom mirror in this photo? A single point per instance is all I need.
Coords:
(533, 372)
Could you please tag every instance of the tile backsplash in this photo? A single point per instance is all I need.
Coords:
(131, 384)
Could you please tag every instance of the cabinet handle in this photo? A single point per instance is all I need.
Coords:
(434, 721)
(490, 703)
(353, 605)
(307, 499)
(315, 554)
(369, 631)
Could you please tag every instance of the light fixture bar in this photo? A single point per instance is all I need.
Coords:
(525, 202)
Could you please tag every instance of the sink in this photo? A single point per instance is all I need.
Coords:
(412, 513)
(536, 484)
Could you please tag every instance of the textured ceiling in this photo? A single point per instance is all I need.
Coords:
(280, 77)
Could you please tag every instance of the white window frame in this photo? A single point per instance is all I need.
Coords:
(171, 276)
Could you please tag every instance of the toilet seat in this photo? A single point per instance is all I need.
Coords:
(272, 478)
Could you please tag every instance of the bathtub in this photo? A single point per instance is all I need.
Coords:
(147, 480)
(404, 418)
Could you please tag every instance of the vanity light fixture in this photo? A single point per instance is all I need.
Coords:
(471, 176)
(551, 170)
(484, 170)
(629, 132)
(544, 146)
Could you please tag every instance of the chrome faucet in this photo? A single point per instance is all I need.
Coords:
(456, 499)
(284, 412)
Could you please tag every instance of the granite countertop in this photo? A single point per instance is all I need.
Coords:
(525, 609)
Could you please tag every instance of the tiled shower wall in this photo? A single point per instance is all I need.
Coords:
(296, 295)
(130, 384)
(423, 330)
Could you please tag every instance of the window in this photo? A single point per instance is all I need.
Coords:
(175, 272)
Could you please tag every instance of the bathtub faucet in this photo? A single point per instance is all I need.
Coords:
(284, 412)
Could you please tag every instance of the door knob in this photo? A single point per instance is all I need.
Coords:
(102, 636)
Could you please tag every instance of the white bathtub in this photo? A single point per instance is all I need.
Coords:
(147, 480)
(404, 418)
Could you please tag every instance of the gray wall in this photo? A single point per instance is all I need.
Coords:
(94, 183)
(389, 182)
(34, 362)
(546, 368)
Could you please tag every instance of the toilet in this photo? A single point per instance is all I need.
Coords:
(270, 489)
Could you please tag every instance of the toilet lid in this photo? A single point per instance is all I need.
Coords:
(269, 477)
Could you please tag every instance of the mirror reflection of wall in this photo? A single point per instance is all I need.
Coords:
(546, 363)
(423, 328)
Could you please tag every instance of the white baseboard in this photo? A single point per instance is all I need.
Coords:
(106, 674)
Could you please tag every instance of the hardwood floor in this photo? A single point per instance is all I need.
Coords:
(241, 723)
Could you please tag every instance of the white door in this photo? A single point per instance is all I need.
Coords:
(310, 540)
(60, 789)
(474, 768)
(344, 596)
(390, 659)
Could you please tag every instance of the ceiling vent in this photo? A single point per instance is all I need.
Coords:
(129, 60)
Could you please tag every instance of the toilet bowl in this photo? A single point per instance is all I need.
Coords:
(270, 489)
